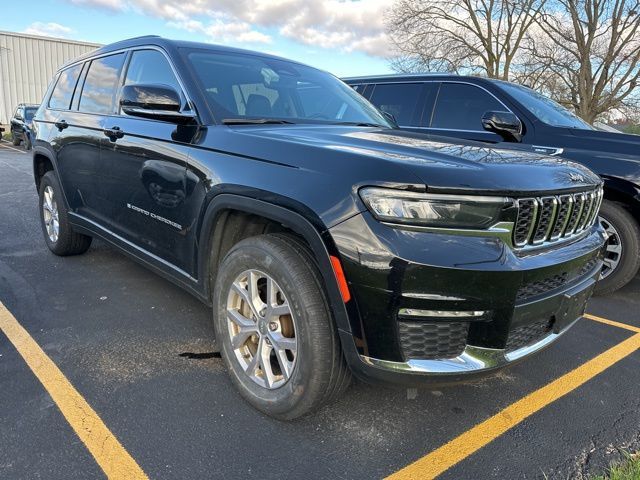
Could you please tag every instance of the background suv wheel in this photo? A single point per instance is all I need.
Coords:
(275, 329)
(622, 256)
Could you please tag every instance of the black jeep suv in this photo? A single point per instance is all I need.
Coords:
(326, 241)
(513, 116)
(21, 124)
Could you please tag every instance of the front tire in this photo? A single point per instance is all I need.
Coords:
(275, 329)
(54, 218)
(15, 140)
(622, 256)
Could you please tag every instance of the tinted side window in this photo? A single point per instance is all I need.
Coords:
(398, 99)
(63, 91)
(101, 84)
(151, 67)
(460, 107)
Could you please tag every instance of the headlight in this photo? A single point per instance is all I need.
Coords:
(434, 210)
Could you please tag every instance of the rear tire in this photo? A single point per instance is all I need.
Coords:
(54, 218)
(15, 140)
(315, 371)
(622, 258)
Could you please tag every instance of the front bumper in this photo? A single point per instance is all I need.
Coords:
(523, 302)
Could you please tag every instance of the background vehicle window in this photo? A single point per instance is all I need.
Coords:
(63, 91)
(398, 99)
(460, 107)
(101, 84)
(151, 67)
(544, 108)
(29, 112)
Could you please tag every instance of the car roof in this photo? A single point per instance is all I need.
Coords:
(166, 43)
(412, 77)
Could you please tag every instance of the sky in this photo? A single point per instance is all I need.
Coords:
(345, 37)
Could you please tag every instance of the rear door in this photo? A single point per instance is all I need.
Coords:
(405, 101)
(458, 110)
(145, 176)
(79, 133)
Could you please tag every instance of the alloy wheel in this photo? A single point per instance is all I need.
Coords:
(262, 329)
(613, 252)
(50, 214)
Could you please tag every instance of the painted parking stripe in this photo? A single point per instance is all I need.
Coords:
(111, 456)
(612, 323)
(12, 148)
(453, 452)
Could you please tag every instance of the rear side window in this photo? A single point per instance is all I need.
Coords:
(460, 106)
(151, 67)
(400, 100)
(63, 91)
(101, 84)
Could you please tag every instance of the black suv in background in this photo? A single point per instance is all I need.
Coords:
(326, 241)
(21, 124)
(513, 116)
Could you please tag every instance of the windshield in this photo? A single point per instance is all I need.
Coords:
(544, 108)
(239, 86)
(29, 113)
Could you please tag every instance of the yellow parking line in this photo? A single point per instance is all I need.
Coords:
(446, 456)
(114, 460)
(612, 323)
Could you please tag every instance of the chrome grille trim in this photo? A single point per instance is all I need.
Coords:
(542, 220)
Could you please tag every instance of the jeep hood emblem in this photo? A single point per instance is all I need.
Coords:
(576, 177)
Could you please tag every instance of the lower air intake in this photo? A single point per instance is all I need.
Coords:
(431, 341)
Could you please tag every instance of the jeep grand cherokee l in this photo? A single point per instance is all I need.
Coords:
(326, 242)
(513, 116)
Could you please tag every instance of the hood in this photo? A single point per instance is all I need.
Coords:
(441, 164)
(611, 142)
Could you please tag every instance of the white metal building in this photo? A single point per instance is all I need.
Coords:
(27, 64)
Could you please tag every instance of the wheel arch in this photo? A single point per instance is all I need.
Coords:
(623, 191)
(212, 242)
(43, 162)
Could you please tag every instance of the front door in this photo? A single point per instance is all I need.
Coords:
(145, 177)
(458, 112)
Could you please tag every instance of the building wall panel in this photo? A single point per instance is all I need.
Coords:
(27, 65)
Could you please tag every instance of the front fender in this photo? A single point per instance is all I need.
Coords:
(317, 238)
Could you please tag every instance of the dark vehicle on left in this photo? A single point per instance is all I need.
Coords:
(22, 124)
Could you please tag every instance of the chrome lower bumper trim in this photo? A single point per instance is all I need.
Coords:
(472, 359)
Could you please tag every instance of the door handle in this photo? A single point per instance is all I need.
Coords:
(61, 124)
(114, 133)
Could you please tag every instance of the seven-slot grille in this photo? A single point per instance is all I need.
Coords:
(547, 219)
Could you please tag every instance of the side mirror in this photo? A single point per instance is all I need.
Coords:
(503, 123)
(158, 102)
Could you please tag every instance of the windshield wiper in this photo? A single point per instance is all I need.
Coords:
(361, 124)
(255, 121)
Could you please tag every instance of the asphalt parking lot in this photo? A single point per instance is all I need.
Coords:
(136, 355)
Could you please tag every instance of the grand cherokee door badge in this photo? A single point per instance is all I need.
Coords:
(154, 216)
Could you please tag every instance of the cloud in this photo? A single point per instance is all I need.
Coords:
(345, 25)
(48, 30)
(225, 30)
(113, 5)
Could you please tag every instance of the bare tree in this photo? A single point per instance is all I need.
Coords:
(463, 36)
(586, 54)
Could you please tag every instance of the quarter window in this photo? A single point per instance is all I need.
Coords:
(151, 67)
(398, 99)
(101, 84)
(460, 107)
(63, 91)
